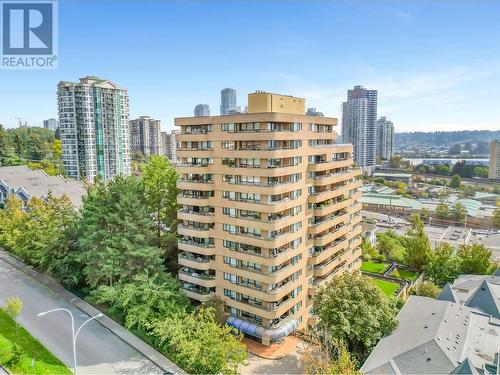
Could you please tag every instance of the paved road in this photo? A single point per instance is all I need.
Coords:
(99, 351)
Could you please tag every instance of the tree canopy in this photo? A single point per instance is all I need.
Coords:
(353, 309)
(199, 344)
(116, 237)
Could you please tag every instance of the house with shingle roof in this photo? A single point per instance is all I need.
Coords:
(438, 337)
(24, 183)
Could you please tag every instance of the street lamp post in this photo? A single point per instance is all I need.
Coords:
(73, 333)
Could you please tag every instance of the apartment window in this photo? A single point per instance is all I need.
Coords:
(230, 228)
(231, 245)
(229, 211)
(227, 127)
(231, 294)
(251, 265)
(250, 282)
(250, 316)
(252, 180)
(227, 145)
(231, 261)
(233, 279)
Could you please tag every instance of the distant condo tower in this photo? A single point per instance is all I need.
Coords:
(359, 124)
(201, 110)
(385, 138)
(145, 136)
(494, 168)
(93, 122)
(227, 101)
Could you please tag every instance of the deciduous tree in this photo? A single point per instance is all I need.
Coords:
(475, 259)
(351, 308)
(443, 265)
(199, 344)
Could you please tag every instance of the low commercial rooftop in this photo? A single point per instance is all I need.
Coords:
(437, 337)
(26, 183)
(389, 200)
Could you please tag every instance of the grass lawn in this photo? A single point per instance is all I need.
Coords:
(408, 275)
(387, 287)
(374, 267)
(45, 361)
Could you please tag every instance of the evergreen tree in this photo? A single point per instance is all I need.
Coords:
(117, 236)
(418, 246)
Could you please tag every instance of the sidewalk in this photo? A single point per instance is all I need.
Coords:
(274, 351)
(152, 354)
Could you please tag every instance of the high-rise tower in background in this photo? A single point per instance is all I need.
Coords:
(359, 124)
(201, 110)
(169, 144)
(51, 124)
(227, 101)
(145, 136)
(494, 169)
(93, 122)
(269, 212)
(385, 138)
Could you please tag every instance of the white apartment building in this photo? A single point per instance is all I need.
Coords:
(145, 136)
(93, 121)
(385, 138)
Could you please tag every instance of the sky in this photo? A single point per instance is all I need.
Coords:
(436, 64)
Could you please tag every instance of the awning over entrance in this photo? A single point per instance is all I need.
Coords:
(258, 331)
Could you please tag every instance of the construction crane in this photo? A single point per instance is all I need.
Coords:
(21, 125)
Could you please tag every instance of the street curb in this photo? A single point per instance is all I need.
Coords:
(149, 352)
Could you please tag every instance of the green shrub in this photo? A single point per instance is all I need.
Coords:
(16, 354)
(380, 258)
(5, 349)
(396, 274)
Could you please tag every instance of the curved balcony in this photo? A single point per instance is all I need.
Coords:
(332, 178)
(333, 206)
(196, 247)
(323, 225)
(192, 231)
(331, 267)
(195, 185)
(202, 279)
(186, 214)
(327, 194)
(191, 200)
(198, 262)
(197, 293)
(331, 236)
(336, 247)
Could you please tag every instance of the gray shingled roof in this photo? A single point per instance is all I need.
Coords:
(485, 299)
(435, 337)
(480, 291)
(447, 294)
(465, 368)
(38, 184)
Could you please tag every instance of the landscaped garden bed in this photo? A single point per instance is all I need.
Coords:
(388, 287)
(375, 267)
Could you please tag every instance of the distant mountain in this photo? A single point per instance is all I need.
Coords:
(446, 138)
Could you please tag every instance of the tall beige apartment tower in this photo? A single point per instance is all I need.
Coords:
(269, 212)
(494, 169)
